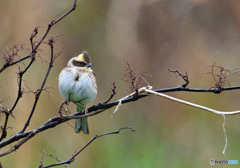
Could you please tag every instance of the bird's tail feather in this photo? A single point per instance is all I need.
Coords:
(81, 123)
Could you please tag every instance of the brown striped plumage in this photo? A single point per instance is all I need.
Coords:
(77, 83)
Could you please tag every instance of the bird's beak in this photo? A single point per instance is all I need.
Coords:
(89, 65)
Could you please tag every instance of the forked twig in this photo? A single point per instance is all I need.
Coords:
(99, 108)
(38, 93)
(10, 62)
(86, 145)
(221, 76)
(113, 93)
(50, 25)
(184, 77)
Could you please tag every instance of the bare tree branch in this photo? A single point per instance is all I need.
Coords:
(86, 145)
(220, 75)
(38, 93)
(94, 110)
(10, 62)
(20, 92)
(113, 93)
(184, 77)
(17, 140)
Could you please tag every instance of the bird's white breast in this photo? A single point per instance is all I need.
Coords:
(76, 86)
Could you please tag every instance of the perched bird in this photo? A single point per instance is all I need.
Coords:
(77, 83)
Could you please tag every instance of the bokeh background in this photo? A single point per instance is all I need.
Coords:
(153, 36)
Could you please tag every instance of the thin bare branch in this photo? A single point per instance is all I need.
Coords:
(86, 145)
(96, 109)
(39, 91)
(221, 75)
(9, 62)
(184, 77)
(19, 95)
(113, 93)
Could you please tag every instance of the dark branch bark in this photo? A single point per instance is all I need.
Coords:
(89, 142)
(50, 25)
(41, 88)
(96, 109)
(21, 73)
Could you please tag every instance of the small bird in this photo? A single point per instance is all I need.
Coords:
(77, 83)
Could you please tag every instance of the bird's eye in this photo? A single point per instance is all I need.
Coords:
(81, 64)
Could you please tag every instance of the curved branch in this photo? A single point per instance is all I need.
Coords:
(191, 104)
(21, 73)
(86, 145)
(10, 62)
(94, 110)
(214, 90)
(37, 95)
(50, 25)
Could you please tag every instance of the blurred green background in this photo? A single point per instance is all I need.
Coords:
(153, 36)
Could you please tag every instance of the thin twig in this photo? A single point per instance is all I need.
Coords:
(113, 93)
(41, 88)
(134, 79)
(96, 109)
(221, 76)
(184, 77)
(190, 104)
(43, 157)
(50, 25)
(86, 145)
(20, 74)
(9, 62)
(41, 165)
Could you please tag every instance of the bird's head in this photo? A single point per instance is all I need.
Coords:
(82, 61)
